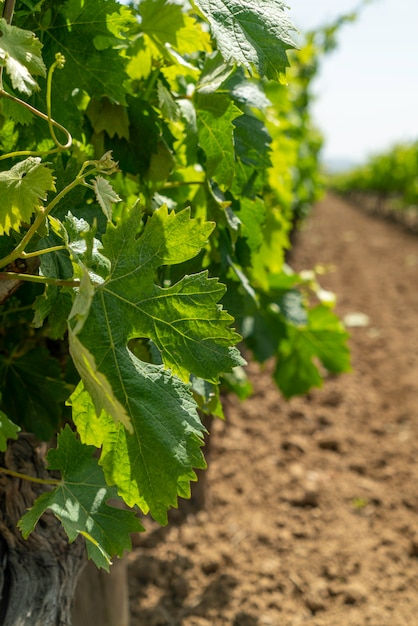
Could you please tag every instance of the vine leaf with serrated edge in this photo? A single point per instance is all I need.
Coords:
(20, 54)
(149, 408)
(251, 33)
(23, 188)
(322, 338)
(106, 195)
(215, 114)
(79, 501)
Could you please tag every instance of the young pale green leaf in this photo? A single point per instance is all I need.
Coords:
(8, 430)
(22, 190)
(20, 54)
(80, 502)
(252, 33)
(106, 195)
(323, 338)
(161, 21)
(215, 114)
(85, 248)
(166, 24)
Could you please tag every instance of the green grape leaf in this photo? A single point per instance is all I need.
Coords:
(246, 91)
(85, 248)
(92, 28)
(109, 117)
(169, 107)
(252, 33)
(22, 190)
(33, 391)
(238, 383)
(8, 430)
(88, 33)
(154, 464)
(252, 148)
(322, 338)
(184, 320)
(8, 134)
(106, 195)
(16, 112)
(214, 73)
(20, 54)
(55, 304)
(215, 114)
(252, 215)
(252, 142)
(161, 21)
(134, 156)
(166, 24)
(79, 501)
(207, 397)
(266, 330)
(189, 329)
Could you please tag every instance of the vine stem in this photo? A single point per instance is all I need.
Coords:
(8, 9)
(59, 63)
(33, 479)
(28, 255)
(43, 280)
(18, 309)
(182, 183)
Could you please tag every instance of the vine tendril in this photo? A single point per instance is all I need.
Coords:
(58, 63)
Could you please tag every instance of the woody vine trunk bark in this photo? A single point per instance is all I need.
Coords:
(37, 575)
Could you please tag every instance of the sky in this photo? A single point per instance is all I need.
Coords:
(367, 90)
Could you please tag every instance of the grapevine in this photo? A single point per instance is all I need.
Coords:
(151, 220)
(389, 176)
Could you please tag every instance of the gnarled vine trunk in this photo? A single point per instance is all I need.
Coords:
(38, 575)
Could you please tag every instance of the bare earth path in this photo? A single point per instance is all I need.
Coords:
(312, 512)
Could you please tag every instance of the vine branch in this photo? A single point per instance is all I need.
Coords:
(33, 479)
(8, 10)
(44, 280)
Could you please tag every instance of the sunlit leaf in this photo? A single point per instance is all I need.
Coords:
(80, 502)
(20, 54)
(23, 189)
(253, 33)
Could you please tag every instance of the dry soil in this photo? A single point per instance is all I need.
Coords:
(312, 505)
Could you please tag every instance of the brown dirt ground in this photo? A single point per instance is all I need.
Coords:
(312, 505)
